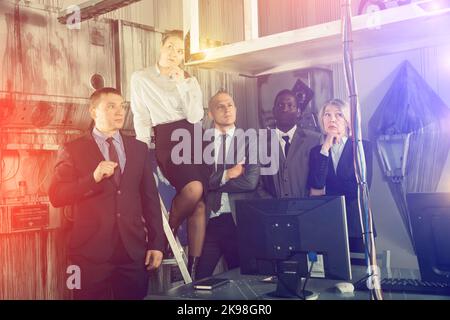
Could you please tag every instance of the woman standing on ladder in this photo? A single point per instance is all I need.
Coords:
(166, 98)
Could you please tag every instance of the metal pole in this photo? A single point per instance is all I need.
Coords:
(365, 212)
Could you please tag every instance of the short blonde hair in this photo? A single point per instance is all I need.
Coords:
(342, 106)
(212, 101)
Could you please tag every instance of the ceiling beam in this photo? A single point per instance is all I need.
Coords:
(90, 9)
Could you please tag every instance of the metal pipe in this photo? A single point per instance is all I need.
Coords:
(365, 212)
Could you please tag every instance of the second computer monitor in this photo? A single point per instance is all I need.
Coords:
(274, 230)
(430, 221)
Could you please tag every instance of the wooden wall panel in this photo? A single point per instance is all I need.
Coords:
(280, 15)
(41, 56)
(221, 20)
(160, 14)
(33, 266)
(284, 15)
(140, 49)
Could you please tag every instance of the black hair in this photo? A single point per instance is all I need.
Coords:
(286, 92)
(98, 93)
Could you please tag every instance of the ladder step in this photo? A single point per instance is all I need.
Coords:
(172, 261)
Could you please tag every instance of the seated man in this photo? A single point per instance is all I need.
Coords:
(294, 146)
(231, 178)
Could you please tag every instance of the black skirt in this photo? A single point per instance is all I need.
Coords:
(179, 175)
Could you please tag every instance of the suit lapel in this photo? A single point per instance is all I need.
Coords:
(346, 160)
(235, 148)
(128, 150)
(331, 170)
(97, 156)
(272, 180)
(281, 155)
(93, 150)
(297, 141)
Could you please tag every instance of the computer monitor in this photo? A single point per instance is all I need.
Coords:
(430, 221)
(274, 230)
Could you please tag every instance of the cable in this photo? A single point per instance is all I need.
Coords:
(292, 292)
(356, 283)
(307, 278)
(17, 169)
(313, 258)
(365, 213)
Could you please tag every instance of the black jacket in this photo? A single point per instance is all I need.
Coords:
(97, 206)
(342, 182)
(242, 187)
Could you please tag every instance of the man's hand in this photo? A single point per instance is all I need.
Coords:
(153, 259)
(235, 172)
(105, 169)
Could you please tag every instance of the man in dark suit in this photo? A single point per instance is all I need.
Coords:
(232, 177)
(294, 146)
(117, 233)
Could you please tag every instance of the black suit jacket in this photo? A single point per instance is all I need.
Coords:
(242, 187)
(342, 182)
(97, 206)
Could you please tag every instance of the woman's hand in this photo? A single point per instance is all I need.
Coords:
(176, 73)
(330, 140)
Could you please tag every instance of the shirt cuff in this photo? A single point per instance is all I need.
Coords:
(324, 153)
(224, 178)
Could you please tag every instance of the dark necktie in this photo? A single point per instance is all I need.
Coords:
(115, 158)
(222, 150)
(286, 146)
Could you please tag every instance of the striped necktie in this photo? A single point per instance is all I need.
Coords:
(113, 156)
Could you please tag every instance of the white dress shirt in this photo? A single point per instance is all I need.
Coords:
(281, 134)
(225, 200)
(157, 99)
(104, 146)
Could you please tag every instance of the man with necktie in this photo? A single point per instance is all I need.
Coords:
(295, 144)
(117, 234)
(232, 177)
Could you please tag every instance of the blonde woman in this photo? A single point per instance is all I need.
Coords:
(331, 169)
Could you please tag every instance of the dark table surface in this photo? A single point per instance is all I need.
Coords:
(250, 287)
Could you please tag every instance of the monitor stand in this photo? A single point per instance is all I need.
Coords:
(290, 286)
(307, 295)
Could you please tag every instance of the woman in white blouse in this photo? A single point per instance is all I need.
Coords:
(165, 97)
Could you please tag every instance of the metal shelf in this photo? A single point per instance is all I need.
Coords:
(389, 31)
